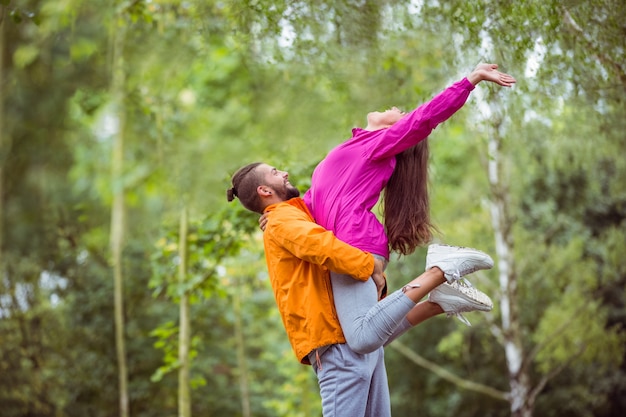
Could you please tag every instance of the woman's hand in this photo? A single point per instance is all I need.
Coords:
(263, 221)
(489, 72)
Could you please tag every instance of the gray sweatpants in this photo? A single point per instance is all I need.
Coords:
(352, 384)
(366, 323)
(352, 377)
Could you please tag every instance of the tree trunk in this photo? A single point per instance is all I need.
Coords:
(241, 353)
(502, 222)
(3, 140)
(118, 206)
(184, 334)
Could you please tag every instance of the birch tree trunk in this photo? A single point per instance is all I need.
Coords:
(502, 222)
(184, 334)
(118, 206)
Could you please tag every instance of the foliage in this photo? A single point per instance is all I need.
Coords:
(214, 85)
(217, 237)
(210, 242)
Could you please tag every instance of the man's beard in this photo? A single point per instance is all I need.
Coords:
(292, 192)
(288, 192)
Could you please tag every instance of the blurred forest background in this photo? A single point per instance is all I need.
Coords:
(130, 287)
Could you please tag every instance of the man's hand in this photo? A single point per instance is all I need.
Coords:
(379, 277)
(489, 72)
(263, 221)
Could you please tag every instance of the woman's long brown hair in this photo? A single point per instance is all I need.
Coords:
(406, 204)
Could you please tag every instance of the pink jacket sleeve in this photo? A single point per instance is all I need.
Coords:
(418, 124)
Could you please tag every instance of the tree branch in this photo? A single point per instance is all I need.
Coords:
(542, 383)
(604, 58)
(447, 375)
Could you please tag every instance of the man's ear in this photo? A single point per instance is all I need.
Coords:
(264, 190)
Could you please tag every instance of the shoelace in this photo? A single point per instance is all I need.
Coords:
(461, 317)
(457, 277)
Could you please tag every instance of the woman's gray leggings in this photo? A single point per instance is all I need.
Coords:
(367, 323)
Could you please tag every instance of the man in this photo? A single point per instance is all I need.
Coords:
(299, 255)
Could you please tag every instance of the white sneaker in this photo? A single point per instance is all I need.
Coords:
(456, 261)
(458, 297)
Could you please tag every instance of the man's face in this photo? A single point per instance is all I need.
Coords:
(278, 181)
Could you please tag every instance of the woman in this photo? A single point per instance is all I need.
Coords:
(390, 154)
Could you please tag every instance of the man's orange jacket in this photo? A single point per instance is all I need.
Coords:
(299, 255)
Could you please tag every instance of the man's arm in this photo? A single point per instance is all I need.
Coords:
(307, 240)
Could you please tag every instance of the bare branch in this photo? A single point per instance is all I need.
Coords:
(542, 383)
(447, 375)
